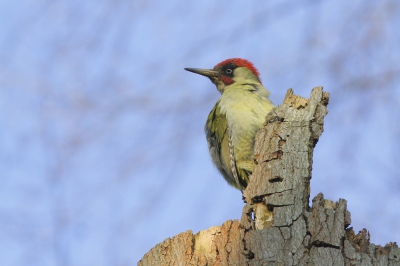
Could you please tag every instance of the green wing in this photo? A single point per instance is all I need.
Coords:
(218, 144)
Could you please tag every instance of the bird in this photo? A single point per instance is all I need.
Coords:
(236, 117)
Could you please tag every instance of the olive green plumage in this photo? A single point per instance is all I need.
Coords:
(233, 122)
(218, 143)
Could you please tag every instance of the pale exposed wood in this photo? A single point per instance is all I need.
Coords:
(278, 227)
(218, 245)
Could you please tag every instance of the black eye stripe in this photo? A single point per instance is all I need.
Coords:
(228, 69)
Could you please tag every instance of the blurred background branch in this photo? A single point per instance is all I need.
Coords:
(101, 130)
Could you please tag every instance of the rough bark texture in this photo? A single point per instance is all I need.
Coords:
(278, 227)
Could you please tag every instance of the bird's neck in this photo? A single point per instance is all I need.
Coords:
(244, 87)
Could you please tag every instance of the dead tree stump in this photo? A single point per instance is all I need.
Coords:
(278, 227)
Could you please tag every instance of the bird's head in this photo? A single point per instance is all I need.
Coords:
(229, 72)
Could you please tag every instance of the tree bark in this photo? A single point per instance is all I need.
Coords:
(278, 227)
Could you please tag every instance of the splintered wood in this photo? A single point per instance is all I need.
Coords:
(278, 227)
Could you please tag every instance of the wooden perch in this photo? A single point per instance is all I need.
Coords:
(278, 227)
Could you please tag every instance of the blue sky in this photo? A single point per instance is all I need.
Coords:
(102, 150)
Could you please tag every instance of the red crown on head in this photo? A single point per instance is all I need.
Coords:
(240, 62)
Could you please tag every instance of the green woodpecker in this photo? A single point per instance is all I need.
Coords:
(233, 122)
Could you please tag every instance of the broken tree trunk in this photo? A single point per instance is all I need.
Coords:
(277, 226)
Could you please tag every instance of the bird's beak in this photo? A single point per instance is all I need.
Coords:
(205, 72)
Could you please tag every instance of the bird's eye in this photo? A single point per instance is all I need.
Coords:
(229, 71)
